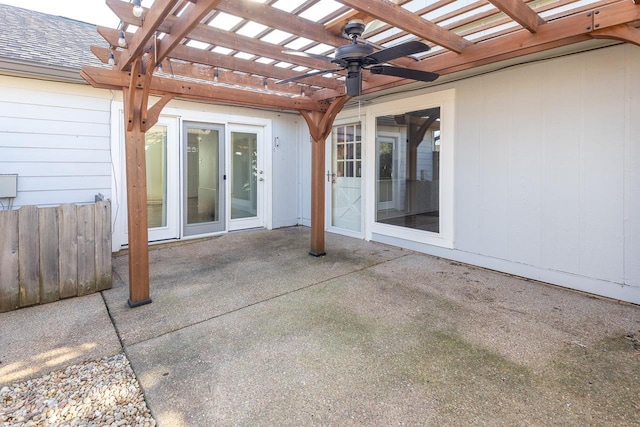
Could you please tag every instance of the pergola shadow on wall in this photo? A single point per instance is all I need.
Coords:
(237, 51)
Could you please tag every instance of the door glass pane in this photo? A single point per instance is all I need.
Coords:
(155, 148)
(244, 175)
(346, 195)
(408, 170)
(203, 176)
(385, 170)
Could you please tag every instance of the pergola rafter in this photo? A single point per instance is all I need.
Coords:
(234, 64)
(520, 12)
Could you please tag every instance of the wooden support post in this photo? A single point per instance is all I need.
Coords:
(139, 119)
(320, 127)
(136, 199)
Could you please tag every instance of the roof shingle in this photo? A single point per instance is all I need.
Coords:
(47, 40)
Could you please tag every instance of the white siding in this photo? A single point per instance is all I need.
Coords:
(547, 172)
(304, 167)
(285, 146)
(544, 145)
(55, 136)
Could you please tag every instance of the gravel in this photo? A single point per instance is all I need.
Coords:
(101, 392)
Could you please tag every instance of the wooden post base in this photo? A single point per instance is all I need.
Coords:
(139, 303)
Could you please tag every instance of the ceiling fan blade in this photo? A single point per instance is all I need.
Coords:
(405, 73)
(308, 55)
(303, 76)
(394, 52)
(354, 83)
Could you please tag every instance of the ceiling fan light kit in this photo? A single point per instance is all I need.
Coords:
(357, 56)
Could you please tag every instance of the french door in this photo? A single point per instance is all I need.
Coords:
(247, 176)
(345, 179)
(204, 178)
(162, 165)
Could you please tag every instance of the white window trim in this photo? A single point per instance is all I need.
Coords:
(446, 101)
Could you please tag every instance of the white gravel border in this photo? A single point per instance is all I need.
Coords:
(101, 392)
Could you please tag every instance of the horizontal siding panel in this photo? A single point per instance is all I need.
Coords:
(60, 113)
(52, 155)
(53, 127)
(55, 169)
(63, 183)
(10, 139)
(53, 198)
(56, 96)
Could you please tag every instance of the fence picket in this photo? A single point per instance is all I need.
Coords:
(49, 267)
(28, 248)
(9, 289)
(103, 245)
(86, 249)
(68, 235)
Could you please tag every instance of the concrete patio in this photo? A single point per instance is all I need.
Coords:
(247, 329)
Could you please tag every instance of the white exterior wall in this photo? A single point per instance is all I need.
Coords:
(287, 175)
(304, 167)
(547, 172)
(55, 136)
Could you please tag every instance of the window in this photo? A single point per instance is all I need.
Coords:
(410, 198)
(408, 169)
(348, 150)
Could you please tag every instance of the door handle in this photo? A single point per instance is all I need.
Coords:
(331, 176)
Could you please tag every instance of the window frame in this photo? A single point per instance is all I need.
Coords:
(446, 101)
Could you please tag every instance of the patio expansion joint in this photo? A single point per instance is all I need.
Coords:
(255, 303)
(113, 321)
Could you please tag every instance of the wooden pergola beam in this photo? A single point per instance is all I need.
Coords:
(224, 76)
(217, 37)
(402, 18)
(521, 13)
(113, 79)
(219, 61)
(205, 57)
(623, 32)
(183, 26)
(161, 9)
(276, 18)
(565, 31)
(283, 21)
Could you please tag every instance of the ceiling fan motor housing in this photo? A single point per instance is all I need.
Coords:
(351, 52)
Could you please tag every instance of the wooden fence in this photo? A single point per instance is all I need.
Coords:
(47, 254)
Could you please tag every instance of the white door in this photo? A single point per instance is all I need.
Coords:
(345, 179)
(246, 177)
(204, 179)
(162, 165)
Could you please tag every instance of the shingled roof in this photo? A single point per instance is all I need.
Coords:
(45, 46)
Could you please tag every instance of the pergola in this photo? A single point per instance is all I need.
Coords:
(234, 52)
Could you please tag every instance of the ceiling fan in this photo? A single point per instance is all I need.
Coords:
(358, 56)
